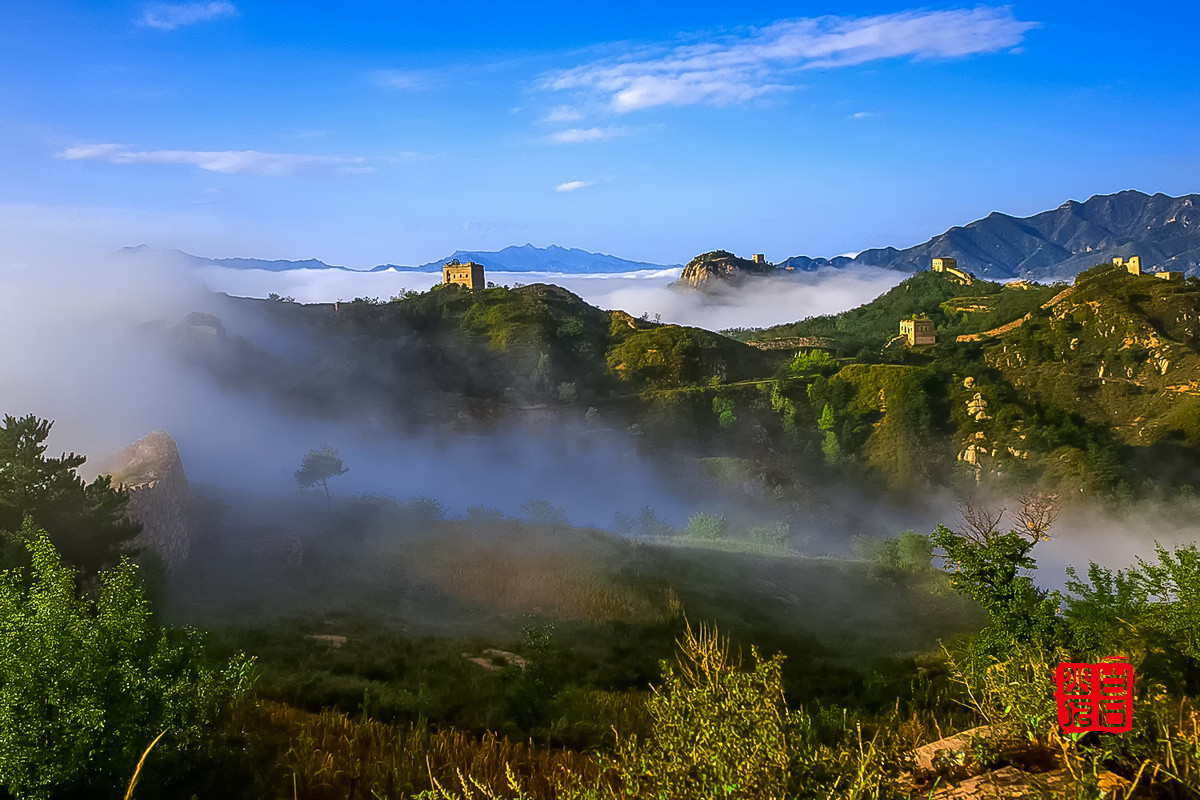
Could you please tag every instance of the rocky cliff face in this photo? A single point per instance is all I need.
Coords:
(708, 270)
(159, 496)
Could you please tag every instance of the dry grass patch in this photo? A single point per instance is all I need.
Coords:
(519, 570)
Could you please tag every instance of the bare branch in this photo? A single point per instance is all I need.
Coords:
(980, 522)
(1037, 513)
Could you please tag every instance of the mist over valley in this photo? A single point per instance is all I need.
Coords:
(490, 402)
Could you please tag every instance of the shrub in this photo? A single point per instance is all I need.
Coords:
(717, 730)
(85, 685)
(543, 512)
(424, 510)
(707, 527)
(988, 567)
(778, 534)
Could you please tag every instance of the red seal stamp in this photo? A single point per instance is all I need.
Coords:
(1095, 697)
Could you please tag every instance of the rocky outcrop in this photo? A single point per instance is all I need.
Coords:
(709, 270)
(159, 496)
(949, 769)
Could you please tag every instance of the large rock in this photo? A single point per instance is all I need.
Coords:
(159, 496)
(708, 270)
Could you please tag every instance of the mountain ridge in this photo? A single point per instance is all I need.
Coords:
(515, 258)
(1053, 244)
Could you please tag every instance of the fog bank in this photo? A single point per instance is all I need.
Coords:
(755, 304)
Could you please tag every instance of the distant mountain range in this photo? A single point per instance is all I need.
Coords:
(1163, 230)
(525, 258)
(528, 258)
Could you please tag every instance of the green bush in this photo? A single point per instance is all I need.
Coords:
(778, 534)
(707, 527)
(86, 685)
(717, 730)
(988, 567)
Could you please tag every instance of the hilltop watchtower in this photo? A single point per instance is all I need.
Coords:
(949, 266)
(918, 330)
(759, 258)
(469, 274)
(1133, 264)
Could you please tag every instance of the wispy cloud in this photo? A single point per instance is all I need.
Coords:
(573, 186)
(563, 114)
(864, 114)
(230, 162)
(169, 16)
(577, 135)
(741, 68)
(404, 79)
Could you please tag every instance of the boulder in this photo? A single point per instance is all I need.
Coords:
(151, 471)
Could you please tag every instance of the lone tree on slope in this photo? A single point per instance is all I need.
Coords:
(318, 467)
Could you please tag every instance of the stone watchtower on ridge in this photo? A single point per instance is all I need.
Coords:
(469, 274)
(918, 331)
(949, 266)
(1133, 264)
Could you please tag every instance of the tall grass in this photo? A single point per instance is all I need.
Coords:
(329, 756)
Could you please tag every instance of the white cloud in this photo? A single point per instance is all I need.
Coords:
(738, 69)
(404, 79)
(563, 114)
(230, 162)
(573, 186)
(577, 135)
(758, 303)
(169, 16)
(864, 114)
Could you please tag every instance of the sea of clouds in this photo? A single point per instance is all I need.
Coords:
(755, 304)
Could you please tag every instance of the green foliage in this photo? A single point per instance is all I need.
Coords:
(318, 467)
(668, 356)
(910, 553)
(707, 527)
(977, 314)
(810, 361)
(86, 685)
(1012, 686)
(723, 407)
(778, 534)
(646, 524)
(1157, 600)
(874, 324)
(1173, 592)
(1101, 610)
(989, 566)
(717, 730)
(86, 522)
(881, 415)
(830, 447)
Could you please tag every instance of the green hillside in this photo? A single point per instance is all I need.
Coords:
(954, 306)
(1097, 393)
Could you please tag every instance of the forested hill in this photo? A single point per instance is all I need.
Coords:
(955, 306)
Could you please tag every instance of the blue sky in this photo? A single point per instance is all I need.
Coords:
(390, 132)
